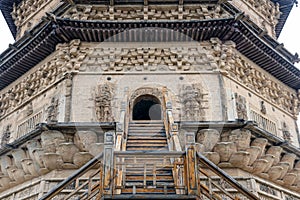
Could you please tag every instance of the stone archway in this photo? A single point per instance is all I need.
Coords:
(147, 107)
(145, 104)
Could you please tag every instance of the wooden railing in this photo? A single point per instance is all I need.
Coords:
(122, 126)
(124, 160)
(91, 187)
(170, 126)
(213, 189)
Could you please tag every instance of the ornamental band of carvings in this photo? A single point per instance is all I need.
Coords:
(103, 102)
(67, 57)
(159, 12)
(148, 59)
(264, 13)
(233, 65)
(194, 102)
(25, 9)
(210, 55)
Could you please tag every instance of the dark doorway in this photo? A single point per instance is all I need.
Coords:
(146, 108)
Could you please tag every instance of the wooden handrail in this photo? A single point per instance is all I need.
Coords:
(236, 185)
(170, 126)
(122, 125)
(85, 168)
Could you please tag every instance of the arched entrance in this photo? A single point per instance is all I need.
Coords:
(146, 107)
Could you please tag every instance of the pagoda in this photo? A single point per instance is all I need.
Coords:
(148, 99)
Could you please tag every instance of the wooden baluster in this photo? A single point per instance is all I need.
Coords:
(145, 175)
(210, 188)
(191, 170)
(154, 174)
(108, 161)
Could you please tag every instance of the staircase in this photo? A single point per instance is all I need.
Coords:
(150, 174)
(146, 136)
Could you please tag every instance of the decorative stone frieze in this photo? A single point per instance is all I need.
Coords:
(234, 65)
(25, 9)
(158, 58)
(151, 12)
(264, 13)
(239, 148)
(27, 14)
(67, 57)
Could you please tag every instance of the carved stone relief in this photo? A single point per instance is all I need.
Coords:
(103, 102)
(5, 136)
(241, 106)
(194, 102)
(286, 133)
(29, 109)
(263, 108)
(170, 12)
(52, 110)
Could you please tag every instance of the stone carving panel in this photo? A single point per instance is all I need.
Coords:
(103, 102)
(148, 59)
(241, 106)
(5, 136)
(171, 12)
(52, 110)
(194, 102)
(286, 133)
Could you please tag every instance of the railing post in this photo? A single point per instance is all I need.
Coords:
(191, 164)
(108, 161)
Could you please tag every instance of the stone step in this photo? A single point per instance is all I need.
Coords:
(144, 143)
(145, 137)
(160, 148)
(150, 141)
(153, 191)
